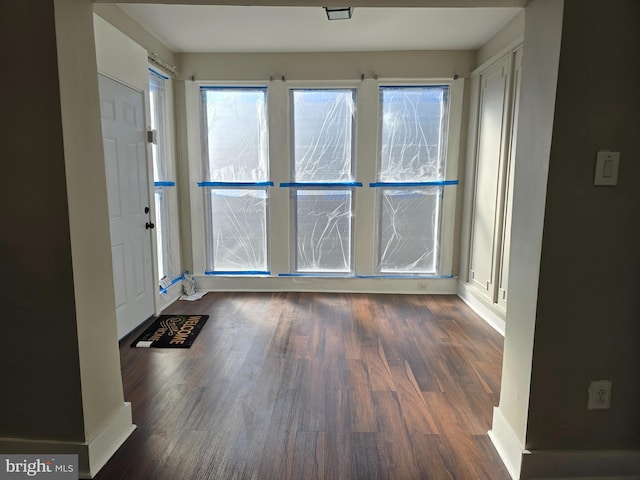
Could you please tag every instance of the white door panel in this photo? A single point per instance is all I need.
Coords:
(111, 163)
(127, 187)
(488, 167)
(506, 231)
(108, 107)
(117, 254)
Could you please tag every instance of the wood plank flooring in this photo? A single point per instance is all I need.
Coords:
(316, 386)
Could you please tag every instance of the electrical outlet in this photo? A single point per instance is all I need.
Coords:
(599, 395)
(422, 285)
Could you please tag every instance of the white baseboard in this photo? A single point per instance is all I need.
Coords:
(507, 444)
(560, 464)
(485, 312)
(92, 455)
(582, 464)
(444, 286)
(102, 447)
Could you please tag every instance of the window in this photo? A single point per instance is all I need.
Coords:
(411, 178)
(322, 190)
(323, 226)
(168, 257)
(235, 168)
(319, 142)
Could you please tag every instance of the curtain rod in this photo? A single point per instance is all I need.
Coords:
(363, 77)
(153, 58)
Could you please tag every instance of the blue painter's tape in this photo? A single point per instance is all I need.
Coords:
(158, 74)
(231, 87)
(239, 272)
(338, 275)
(435, 85)
(439, 183)
(164, 184)
(173, 282)
(409, 276)
(321, 184)
(320, 275)
(235, 184)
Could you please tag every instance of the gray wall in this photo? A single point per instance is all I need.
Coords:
(39, 353)
(588, 320)
(60, 364)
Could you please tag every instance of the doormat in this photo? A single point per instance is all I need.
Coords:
(171, 331)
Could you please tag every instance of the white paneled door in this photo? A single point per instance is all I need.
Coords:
(123, 132)
(489, 175)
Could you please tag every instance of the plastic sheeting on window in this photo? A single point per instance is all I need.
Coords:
(168, 251)
(235, 136)
(161, 221)
(413, 133)
(323, 230)
(409, 230)
(237, 230)
(157, 120)
(323, 138)
(165, 196)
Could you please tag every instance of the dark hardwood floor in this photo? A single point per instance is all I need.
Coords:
(304, 386)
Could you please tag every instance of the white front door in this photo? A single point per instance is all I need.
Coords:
(123, 133)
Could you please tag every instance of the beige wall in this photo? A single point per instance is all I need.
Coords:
(512, 33)
(119, 57)
(116, 17)
(325, 66)
(587, 325)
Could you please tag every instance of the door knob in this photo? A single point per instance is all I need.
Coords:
(149, 225)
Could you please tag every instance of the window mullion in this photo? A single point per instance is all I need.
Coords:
(279, 169)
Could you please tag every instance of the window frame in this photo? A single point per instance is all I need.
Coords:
(296, 186)
(364, 225)
(210, 267)
(167, 244)
(208, 185)
(294, 231)
(448, 219)
(438, 233)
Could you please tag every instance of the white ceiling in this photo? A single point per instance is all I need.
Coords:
(200, 29)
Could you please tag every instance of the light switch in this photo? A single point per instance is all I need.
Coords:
(607, 168)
